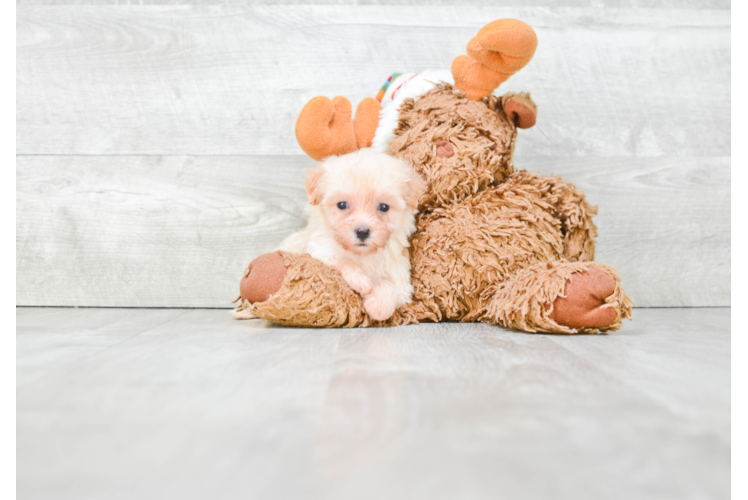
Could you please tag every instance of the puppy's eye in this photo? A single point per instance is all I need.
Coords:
(342, 205)
(383, 207)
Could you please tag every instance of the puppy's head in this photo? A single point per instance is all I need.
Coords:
(365, 198)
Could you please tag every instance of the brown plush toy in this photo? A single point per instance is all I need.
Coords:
(492, 244)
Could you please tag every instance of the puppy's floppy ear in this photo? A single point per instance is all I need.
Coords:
(416, 187)
(313, 187)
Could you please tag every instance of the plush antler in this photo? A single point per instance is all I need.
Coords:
(366, 121)
(324, 127)
(499, 50)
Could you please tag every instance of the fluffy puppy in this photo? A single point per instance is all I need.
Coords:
(361, 215)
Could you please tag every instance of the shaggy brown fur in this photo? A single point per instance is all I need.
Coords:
(491, 244)
(483, 143)
(314, 294)
(517, 227)
(522, 302)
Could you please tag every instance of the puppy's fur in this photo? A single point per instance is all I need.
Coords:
(377, 265)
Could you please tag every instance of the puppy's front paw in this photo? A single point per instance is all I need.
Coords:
(381, 303)
(358, 281)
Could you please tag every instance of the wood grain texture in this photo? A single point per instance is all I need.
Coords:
(192, 404)
(179, 231)
(55, 340)
(157, 155)
(659, 4)
(230, 80)
(738, 207)
(149, 231)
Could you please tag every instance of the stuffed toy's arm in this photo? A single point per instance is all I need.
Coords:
(567, 204)
(575, 214)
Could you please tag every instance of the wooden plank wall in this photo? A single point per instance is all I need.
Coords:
(156, 154)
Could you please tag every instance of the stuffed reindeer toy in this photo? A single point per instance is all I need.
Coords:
(491, 243)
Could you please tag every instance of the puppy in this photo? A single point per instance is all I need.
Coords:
(361, 215)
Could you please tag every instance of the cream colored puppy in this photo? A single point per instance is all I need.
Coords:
(361, 215)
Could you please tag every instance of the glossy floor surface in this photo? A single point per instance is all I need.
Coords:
(170, 403)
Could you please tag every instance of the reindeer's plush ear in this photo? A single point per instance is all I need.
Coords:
(500, 49)
(313, 185)
(520, 109)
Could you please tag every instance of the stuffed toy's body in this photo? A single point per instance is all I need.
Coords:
(492, 244)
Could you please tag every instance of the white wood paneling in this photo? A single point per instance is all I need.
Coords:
(157, 157)
(149, 231)
(738, 235)
(678, 4)
(192, 404)
(231, 80)
(178, 231)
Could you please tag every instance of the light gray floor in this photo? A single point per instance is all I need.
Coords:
(165, 403)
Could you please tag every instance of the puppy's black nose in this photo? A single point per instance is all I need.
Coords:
(362, 232)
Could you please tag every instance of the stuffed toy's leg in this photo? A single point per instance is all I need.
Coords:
(297, 290)
(560, 297)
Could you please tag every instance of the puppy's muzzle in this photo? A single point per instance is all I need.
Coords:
(362, 233)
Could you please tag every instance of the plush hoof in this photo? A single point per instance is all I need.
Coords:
(584, 303)
(264, 277)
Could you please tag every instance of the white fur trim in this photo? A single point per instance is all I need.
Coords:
(405, 86)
